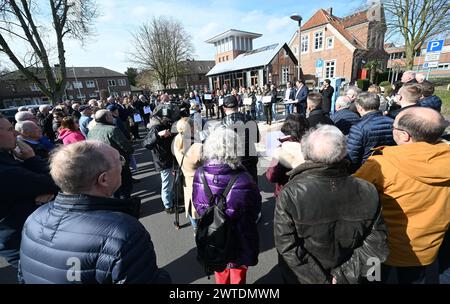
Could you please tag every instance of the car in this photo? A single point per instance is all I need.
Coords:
(10, 113)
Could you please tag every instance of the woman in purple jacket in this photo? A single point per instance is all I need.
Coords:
(243, 202)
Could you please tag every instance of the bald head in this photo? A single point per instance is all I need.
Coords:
(104, 116)
(326, 145)
(422, 124)
(408, 76)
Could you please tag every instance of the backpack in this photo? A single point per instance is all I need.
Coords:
(216, 238)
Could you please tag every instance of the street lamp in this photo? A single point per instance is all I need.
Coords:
(298, 18)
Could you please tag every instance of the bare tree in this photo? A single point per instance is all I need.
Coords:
(416, 21)
(160, 47)
(21, 20)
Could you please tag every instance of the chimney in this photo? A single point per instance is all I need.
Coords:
(330, 11)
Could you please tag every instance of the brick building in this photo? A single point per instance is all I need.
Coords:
(83, 83)
(396, 63)
(238, 64)
(194, 77)
(340, 47)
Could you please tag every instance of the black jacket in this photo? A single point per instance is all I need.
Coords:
(328, 224)
(101, 235)
(327, 95)
(317, 116)
(21, 183)
(46, 123)
(344, 119)
(161, 148)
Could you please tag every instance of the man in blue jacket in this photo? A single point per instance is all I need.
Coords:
(428, 99)
(372, 131)
(301, 96)
(85, 236)
(24, 184)
(343, 118)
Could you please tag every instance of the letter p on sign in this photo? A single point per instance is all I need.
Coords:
(435, 46)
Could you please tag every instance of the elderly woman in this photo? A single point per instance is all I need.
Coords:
(243, 202)
(188, 155)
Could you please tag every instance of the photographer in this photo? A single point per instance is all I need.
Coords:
(159, 142)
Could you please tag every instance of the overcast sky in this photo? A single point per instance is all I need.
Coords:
(201, 19)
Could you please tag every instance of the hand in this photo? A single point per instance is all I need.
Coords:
(43, 198)
(164, 134)
(23, 151)
(334, 281)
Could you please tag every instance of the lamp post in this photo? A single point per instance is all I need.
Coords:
(298, 18)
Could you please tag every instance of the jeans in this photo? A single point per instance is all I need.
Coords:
(166, 187)
(259, 109)
(274, 110)
(288, 109)
(194, 222)
(301, 108)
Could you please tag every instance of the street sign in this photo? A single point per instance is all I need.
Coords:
(319, 63)
(432, 57)
(435, 46)
(432, 64)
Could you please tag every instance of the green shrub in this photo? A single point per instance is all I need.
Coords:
(385, 84)
(363, 84)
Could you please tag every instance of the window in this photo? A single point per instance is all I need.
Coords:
(81, 96)
(34, 87)
(318, 41)
(114, 94)
(330, 68)
(330, 42)
(77, 85)
(305, 44)
(111, 83)
(122, 82)
(90, 84)
(295, 51)
(68, 86)
(93, 95)
(284, 74)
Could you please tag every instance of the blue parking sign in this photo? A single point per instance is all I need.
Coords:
(435, 46)
(319, 63)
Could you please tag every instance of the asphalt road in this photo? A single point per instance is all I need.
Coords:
(175, 249)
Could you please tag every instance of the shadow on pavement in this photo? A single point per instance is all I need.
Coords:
(8, 275)
(272, 277)
(186, 277)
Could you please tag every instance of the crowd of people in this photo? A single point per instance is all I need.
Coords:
(364, 182)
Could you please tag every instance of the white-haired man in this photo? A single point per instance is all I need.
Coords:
(32, 134)
(343, 118)
(328, 224)
(45, 121)
(85, 227)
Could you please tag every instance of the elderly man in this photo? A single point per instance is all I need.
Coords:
(372, 131)
(352, 92)
(85, 119)
(106, 132)
(343, 118)
(408, 96)
(413, 179)
(85, 236)
(25, 116)
(24, 184)
(31, 134)
(45, 121)
(315, 112)
(328, 224)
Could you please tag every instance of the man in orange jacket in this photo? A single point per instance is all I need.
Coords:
(413, 180)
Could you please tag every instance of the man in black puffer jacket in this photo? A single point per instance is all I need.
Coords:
(328, 225)
(85, 236)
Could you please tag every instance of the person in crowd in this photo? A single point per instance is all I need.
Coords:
(408, 96)
(243, 202)
(268, 106)
(114, 109)
(251, 93)
(352, 92)
(420, 77)
(208, 102)
(429, 100)
(374, 89)
(26, 182)
(76, 111)
(327, 92)
(374, 130)
(314, 112)
(25, 116)
(188, 155)
(134, 118)
(289, 154)
(159, 142)
(247, 130)
(85, 227)
(45, 118)
(106, 132)
(301, 96)
(413, 179)
(274, 112)
(69, 132)
(31, 133)
(343, 118)
(327, 224)
(289, 94)
(85, 119)
(58, 116)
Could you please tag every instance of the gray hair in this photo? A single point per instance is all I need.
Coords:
(102, 115)
(23, 116)
(25, 126)
(222, 147)
(42, 108)
(76, 167)
(353, 89)
(343, 102)
(326, 145)
(368, 101)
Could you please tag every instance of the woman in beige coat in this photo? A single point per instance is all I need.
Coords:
(189, 153)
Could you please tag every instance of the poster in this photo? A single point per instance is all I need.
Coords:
(267, 99)
(207, 97)
(137, 118)
(147, 110)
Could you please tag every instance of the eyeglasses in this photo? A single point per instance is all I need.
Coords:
(395, 128)
(122, 160)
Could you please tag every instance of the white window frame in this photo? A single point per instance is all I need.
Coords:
(326, 74)
(112, 83)
(122, 82)
(332, 42)
(93, 95)
(315, 38)
(305, 44)
(285, 74)
(90, 84)
(77, 84)
(34, 88)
